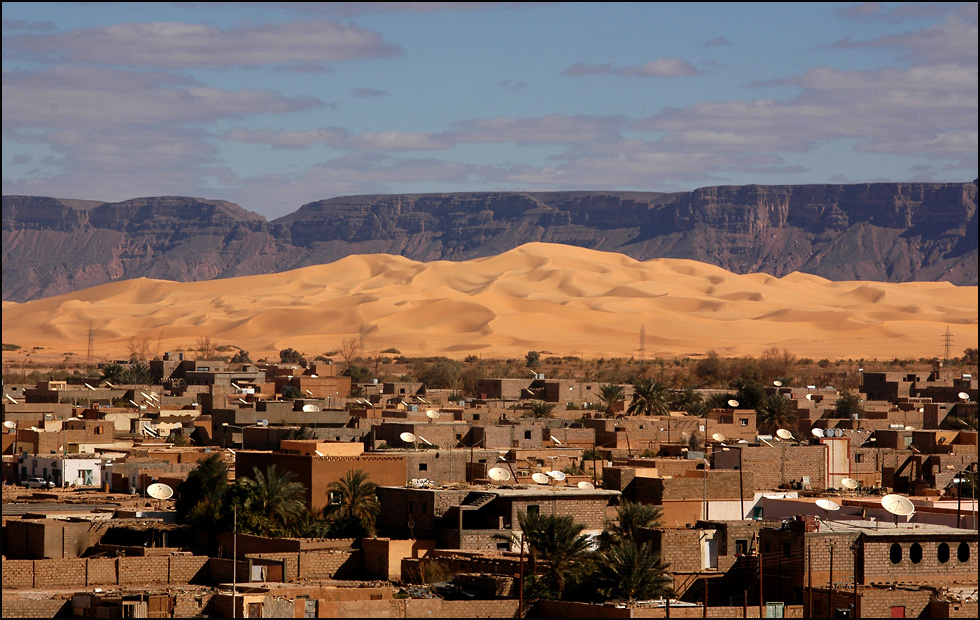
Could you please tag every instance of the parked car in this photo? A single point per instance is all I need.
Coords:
(38, 483)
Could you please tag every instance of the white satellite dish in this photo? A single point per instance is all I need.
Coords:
(733, 403)
(262, 423)
(407, 437)
(540, 478)
(778, 383)
(498, 474)
(557, 475)
(10, 398)
(816, 432)
(964, 396)
(849, 483)
(159, 490)
(827, 504)
(782, 433)
(10, 424)
(586, 486)
(898, 504)
(432, 414)
(89, 386)
(809, 396)
(425, 441)
(910, 428)
(318, 453)
(311, 408)
(718, 437)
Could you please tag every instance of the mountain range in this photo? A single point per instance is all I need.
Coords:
(890, 232)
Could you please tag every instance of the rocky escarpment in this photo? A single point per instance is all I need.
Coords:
(882, 231)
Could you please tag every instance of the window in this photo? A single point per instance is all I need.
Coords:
(533, 509)
(942, 553)
(895, 553)
(476, 417)
(527, 434)
(423, 467)
(915, 553)
(858, 458)
(743, 421)
(963, 552)
(503, 546)
(741, 547)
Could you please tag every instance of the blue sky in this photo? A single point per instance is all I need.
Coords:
(273, 105)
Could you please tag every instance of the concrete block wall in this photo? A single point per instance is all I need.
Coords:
(878, 566)
(84, 572)
(15, 606)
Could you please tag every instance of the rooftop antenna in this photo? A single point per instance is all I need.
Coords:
(782, 433)
(424, 440)
(89, 387)
(898, 505)
(733, 403)
(540, 478)
(408, 438)
(555, 439)
(498, 474)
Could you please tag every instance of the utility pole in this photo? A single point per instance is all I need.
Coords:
(947, 345)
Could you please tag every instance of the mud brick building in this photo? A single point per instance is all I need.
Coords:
(777, 465)
(480, 518)
(866, 553)
(317, 472)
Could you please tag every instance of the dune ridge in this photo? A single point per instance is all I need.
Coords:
(560, 299)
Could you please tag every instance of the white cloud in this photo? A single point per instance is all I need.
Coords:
(65, 97)
(177, 45)
(549, 129)
(660, 68)
(953, 42)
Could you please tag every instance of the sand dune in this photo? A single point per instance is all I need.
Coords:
(560, 299)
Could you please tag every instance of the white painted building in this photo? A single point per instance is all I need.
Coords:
(68, 470)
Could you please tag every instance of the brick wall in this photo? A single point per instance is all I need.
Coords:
(871, 603)
(879, 566)
(317, 564)
(84, 572)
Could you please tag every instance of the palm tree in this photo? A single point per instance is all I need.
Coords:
(611, 394)
(201, 497)
(558, 541)
(775, 411)
(633, 572)
(113, 373)
(649, 398)
(274, 498)
(354, 506)
(633, 517)
(540, 409)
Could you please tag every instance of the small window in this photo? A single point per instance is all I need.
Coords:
(527, 434)
(915, 553)
(423, 467)
(743, 421)
(476, 417)
(963, 552)
(858, 458)
(503, 546)
(895, 553)
(741, 547)
(942, 553)
(533, 509)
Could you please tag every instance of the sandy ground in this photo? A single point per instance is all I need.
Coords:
(557, 299)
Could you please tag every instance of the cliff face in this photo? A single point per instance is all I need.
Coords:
(885, 231)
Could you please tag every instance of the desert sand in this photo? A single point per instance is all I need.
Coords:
(556, 299)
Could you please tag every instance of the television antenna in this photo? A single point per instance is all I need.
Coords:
(407, 437)
(586, 486)
(828, 505)
(498, 474)
(540, 478)
(310, 408)
(718, 437)
(777, 383)
(898, 505)
(849, 483)
(159, 490)
(733, 403)
(817, 432)
(782, 433)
